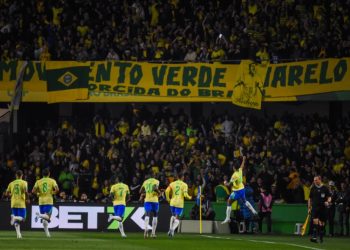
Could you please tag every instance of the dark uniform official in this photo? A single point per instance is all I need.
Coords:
(331, 209)
(319, 201)
(343, 204)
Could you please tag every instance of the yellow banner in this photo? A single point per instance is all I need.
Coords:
(307, 78)
(34, 81)
(248, 90)
(118, 81)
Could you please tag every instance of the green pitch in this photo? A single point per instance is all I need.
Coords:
(109, 241)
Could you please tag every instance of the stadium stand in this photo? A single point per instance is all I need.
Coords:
(283, 153)
(174, 30)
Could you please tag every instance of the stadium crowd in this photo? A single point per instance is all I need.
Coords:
(174, 30)
(283, 153)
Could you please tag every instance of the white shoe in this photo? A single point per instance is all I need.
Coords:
(110, 217)
(153, 236)
(145, 234)
(19, 236)
(118, 218)
(124, 236)
(48, 235)
(12, 221)
(226, 221)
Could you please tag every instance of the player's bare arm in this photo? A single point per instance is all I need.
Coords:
(167, 193)
(56, 190)
(111, 196)
(187, 196)
(156, 189)
(34, 190)
(127, 197)
(243, 163)
(142, 193)
(142, 190)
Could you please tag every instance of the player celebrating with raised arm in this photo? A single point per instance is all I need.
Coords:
(151, 205)
(18, 191)
(238, 192)
(319, 200)
(178, 190)
(120, 195)
(45, 188)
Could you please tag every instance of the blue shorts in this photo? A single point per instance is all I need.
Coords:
(45, 209)
(176, 211)
(151, 207)
(21, 212)
(119, 210)
(238, 195)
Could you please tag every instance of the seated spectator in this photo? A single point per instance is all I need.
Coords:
(83, 198)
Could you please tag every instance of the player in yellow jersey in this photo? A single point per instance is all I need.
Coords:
(179, 191)
(45, 188)
(151, 205)
(119, 194)
(238, 192)
(18, 190)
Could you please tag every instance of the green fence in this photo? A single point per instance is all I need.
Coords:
(284, 216)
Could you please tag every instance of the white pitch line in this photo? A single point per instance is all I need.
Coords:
(263, 241)
(51, 239)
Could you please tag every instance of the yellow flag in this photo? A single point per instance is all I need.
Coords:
(248, 90)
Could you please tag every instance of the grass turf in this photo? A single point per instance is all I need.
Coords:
(89, 240)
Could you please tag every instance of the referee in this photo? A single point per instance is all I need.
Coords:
(319, 201)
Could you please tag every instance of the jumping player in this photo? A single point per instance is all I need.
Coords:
(238, 192)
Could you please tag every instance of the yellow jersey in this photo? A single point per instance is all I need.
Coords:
(119, 192)
(18, 189)
(179, 191)
(149, 185)
(237, 180)
(45, 189)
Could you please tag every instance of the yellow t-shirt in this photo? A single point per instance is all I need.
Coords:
(252, 9)
(179, 191)
(222, 159)
(45, 188)
(154, 15)
(83, 30)
(18, 189)
(119, 191)
(192, 141)
(237, 180)
(338, 167)
(236, 153)
(247, 140)
(347, 152)
(55, 17)
(149, 185)
(306, 192)
(123, 128)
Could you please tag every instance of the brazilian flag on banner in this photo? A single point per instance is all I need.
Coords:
(248, 88)
(68, 83)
